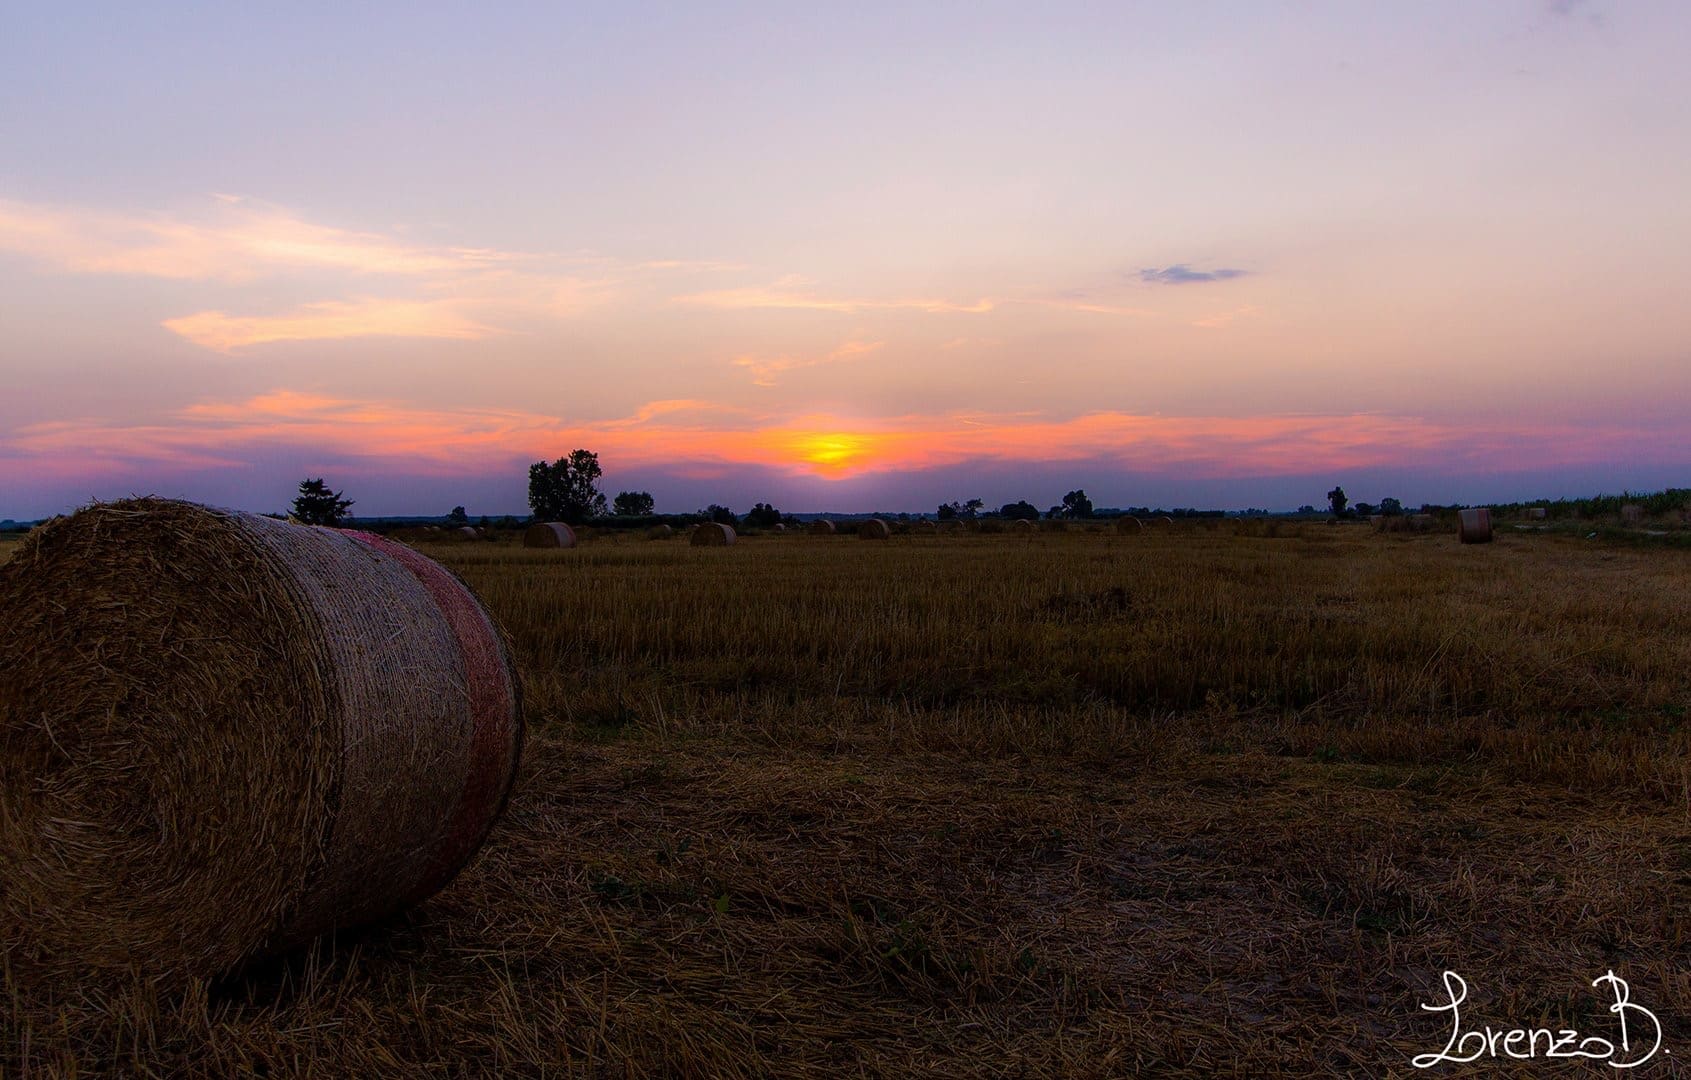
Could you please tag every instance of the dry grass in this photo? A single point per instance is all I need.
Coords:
(1187, 802)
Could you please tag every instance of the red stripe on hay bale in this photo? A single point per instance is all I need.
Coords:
(822, 527)
(1474, 526)
(492, 687)
(713, 534)
(873, 529)
(282, 730)
(549, 534)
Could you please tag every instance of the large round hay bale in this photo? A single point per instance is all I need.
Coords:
(222, 735)
(873, 529)
(549, 534)
(713, 534)
(466, 532)
(1537, 513)
(822, 527)
(925, 527)
(1474, 526)
(661, 532)
(778, 527)
(1127, 523)
(1632, 513)
(1023, 525)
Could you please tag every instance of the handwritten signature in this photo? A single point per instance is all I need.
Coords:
(1523, 1043)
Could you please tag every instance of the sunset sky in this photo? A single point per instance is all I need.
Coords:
(845, 257)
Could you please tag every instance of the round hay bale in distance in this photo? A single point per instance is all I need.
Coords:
(1022, 525)
(1127, 523)
(778, 527)
(1632, 513)
(926, 526)
(467, 532)
(549, 534)
(661, 532)
(1422, 522)
(259, 732)
(1537, 513)
(873, 529)
(1474, 526)
(713, 534)
(822, 527)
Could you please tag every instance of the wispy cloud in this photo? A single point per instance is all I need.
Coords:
(1182, 274)
(687, 434)
(454, 291)
(794, 293)
(764, 369)
(330, 320)
(234, 240)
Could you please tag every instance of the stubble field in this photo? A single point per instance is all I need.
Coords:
(1196, 801)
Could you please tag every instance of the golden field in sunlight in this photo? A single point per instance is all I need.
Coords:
(1195, 800)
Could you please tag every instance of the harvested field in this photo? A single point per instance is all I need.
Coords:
(1185, 803)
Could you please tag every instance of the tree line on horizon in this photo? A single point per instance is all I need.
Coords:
(567, 490)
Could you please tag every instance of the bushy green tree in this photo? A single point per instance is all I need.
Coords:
(633, 504)
(566, 490)
(317, 505)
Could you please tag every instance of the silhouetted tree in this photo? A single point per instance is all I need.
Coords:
(458, 516)
(1364, 509)
(1390, 507)
(1017, 510)
(947, 511)
(566, 490)
(317, 505)
(632, 504)
(762, 516)
(1336, 499)
(721, 515)
(1076, 505)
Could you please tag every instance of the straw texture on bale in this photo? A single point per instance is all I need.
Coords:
(222, 735)
(822, 527)
(1537, 513)
(1023, 525)
(925, 527)
(661, 532)
(549, 534)
(873, 529)
(468, 532)
(1475, 526)
(713, 534)
(1127, 523)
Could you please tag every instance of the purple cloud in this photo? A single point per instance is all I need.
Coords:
(1181, 274)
